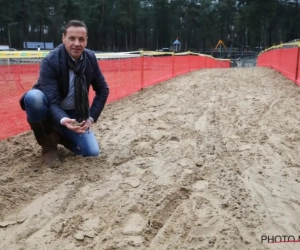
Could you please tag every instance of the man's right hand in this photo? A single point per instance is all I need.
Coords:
(73, 125)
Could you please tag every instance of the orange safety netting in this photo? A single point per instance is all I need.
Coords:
(284, 60)
(298, 72)
(288, 65)
(276, 59)
(124, 76)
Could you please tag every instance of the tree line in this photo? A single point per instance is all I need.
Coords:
(126, 25)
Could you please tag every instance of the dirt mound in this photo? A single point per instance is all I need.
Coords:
(208, 160)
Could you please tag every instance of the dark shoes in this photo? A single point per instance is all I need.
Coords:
(50, 155)
(51, 159)
(48, 140)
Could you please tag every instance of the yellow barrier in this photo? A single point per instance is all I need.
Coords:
(42, 54)
(282, 45)
(23, 54)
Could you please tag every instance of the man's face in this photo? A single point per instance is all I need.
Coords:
(75, 41)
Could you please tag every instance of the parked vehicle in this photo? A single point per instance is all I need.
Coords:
(6, 48)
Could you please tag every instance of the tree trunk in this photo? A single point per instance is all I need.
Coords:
(126, 42)
(25, 33)
(294, 25)
(130, 27)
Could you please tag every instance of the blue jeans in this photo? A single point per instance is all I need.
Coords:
(37, 109)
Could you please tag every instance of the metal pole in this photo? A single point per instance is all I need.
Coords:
(9, 40)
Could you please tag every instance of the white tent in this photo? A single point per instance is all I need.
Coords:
(176, 45)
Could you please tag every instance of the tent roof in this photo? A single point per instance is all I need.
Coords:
(176, 42)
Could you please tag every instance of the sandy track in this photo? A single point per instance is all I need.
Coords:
(208, 160)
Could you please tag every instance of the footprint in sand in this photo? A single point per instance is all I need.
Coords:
(200, 124)
(129, 183)
(134, 225)
(174, 139)
(200, 185)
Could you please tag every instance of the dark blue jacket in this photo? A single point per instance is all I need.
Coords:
(54, 82)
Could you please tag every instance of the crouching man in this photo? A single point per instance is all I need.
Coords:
(57, 106)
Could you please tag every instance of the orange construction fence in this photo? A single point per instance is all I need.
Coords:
(124, 76)
(283, 58)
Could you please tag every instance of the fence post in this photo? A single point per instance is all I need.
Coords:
(189, 57)
(19, 82)
(297, 63)
(280, 56)
(173, 64)
(142, 69)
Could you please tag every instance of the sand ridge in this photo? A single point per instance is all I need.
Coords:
(207, 160)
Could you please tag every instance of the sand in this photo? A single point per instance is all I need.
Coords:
(207, 160)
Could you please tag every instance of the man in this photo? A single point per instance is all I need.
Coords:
(57, 106)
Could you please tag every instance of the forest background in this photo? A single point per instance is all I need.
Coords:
(127, 25)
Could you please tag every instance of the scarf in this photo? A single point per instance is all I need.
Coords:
(81, 100)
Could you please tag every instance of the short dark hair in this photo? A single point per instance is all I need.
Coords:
(74, 23)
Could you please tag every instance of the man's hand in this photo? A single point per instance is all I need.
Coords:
(87, 124)
(71, 124)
